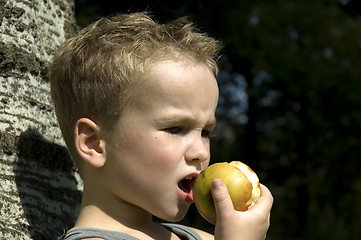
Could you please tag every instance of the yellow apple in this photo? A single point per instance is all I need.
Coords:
(241, 181)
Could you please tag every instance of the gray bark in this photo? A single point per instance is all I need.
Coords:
(39, 186)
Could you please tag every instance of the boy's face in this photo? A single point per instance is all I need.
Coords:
(161, 144)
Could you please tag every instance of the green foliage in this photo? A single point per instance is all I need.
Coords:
(306, 112)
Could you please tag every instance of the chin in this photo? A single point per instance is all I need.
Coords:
(176, 217)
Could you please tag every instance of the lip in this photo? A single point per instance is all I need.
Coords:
(188, 196)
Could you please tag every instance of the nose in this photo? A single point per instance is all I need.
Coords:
(198, 150)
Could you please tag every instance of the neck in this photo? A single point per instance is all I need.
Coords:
(110, 213)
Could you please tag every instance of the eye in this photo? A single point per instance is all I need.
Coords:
(174, 130)
(207, 133)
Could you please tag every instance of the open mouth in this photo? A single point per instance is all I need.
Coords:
(186, 185)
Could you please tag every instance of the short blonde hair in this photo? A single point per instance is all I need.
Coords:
(93, 73)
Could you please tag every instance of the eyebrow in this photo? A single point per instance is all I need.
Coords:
(183, 119)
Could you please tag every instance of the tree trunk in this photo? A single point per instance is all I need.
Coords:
(39, 187)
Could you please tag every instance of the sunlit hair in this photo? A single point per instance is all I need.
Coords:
(94, 73)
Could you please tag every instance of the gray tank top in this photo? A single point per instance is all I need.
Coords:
(78, 233)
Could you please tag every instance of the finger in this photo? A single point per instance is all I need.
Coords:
(265, 202)
(222, 201)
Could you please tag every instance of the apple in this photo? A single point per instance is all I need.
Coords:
(241, 181)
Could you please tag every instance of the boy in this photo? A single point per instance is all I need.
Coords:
(136, 103)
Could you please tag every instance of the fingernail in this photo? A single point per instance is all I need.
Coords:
(217, 183)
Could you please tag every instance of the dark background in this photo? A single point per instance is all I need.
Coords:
(290, 102)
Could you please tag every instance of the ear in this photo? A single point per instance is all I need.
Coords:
(88, 143)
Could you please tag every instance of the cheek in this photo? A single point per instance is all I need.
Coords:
(156, 153)
(165, 153)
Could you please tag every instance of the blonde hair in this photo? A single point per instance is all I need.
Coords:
(92, 74)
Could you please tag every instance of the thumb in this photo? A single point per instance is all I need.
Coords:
(222, 201)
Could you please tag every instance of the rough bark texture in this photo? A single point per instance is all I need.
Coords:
(39, 187)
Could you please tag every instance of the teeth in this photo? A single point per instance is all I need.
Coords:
(184, 190)
(186, 184)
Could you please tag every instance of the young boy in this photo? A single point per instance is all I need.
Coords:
(136, 103)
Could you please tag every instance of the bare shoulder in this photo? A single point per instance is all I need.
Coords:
(204, 235)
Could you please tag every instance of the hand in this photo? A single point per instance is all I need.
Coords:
(235, 225)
